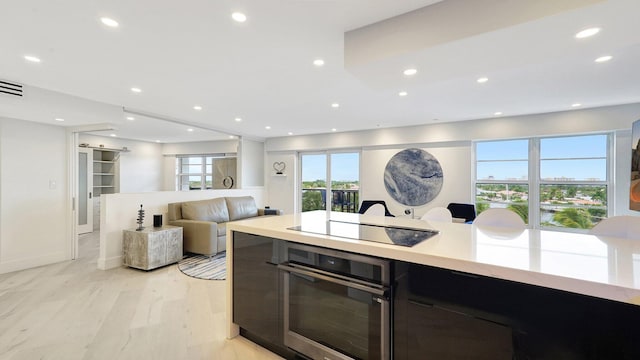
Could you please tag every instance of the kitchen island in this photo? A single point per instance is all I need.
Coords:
(536, 285)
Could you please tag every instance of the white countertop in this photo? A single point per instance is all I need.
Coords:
(597, 266)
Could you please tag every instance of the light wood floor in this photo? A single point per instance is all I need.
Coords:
(72, 310)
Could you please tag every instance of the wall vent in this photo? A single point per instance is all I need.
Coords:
(10, 88)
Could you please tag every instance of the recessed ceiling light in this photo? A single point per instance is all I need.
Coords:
(113, 135)
(59, 119)
(190, 130)
(197, 107)
(268, 127)
(289, 133)
(497, 113)
(576, 105)
(482, 80)
(136, 90)
(587, 33)
(334, 129)
(402, 93)
(109, 22)
(239, 17)
(318, 62)
(157, 141)
(32, 58)
(335, 105)
(130, 118)
(231, 137)
(605, 58)
(410, 72)
(238, 119)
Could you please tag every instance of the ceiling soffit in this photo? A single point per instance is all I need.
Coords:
(442, 23)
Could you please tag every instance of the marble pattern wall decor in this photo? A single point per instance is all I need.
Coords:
(413, 177)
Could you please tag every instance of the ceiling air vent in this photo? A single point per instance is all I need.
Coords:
(10, 88)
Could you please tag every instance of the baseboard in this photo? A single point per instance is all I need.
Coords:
(28, 263)
(110, 263)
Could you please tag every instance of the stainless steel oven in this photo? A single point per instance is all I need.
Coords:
(336, 304)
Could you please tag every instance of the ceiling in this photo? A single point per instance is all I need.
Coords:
(261, 71)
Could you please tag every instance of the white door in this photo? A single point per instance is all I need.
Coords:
(85, 190)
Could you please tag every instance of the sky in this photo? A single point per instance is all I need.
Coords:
(345, 167)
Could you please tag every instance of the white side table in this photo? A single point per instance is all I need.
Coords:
(152, 247)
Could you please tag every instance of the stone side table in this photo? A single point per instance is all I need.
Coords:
(152, 247)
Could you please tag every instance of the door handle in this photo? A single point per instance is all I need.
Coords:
(377, 290)
(89, 194)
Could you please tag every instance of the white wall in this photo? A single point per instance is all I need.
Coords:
(169, 173)
(622, 172)
(34, 199)
(454, 158)
(251, 163)
(451, 144)
(281, 188)
(120, 211)
(560, 123)
(141, 168)
(201, 147)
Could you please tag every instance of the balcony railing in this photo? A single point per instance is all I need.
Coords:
(342, 200)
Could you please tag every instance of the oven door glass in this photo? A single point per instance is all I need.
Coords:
(347, 320)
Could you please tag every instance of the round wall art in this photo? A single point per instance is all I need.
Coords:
(413, 177)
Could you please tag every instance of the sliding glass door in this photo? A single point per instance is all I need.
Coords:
(314, 181)
(339, 169)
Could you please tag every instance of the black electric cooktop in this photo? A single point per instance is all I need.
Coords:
(395, 235)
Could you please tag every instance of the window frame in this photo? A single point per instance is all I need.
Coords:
(607, 182)
(328, 179)
(535, 182)
(525, 182)
(203, 174)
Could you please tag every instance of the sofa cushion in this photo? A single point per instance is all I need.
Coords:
(241, 207)
(206, 210)
(222, 229)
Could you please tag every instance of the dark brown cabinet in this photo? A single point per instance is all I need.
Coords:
(441, 333)
(257, 296)
(445, 314)
(255, 286)
(431, 323)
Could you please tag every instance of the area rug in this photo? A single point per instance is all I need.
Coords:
(204, 267)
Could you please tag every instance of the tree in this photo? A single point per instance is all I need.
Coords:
(599, 195)
(312, 200)
(597, 214)
(522, 210)
(556, 194)
(480, 207)
(573, 218)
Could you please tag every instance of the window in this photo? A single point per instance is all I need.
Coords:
(200, 172)
(573, 181)
(502, 173)
(341, 170)
(565, 176)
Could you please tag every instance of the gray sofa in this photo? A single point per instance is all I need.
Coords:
(204, 222)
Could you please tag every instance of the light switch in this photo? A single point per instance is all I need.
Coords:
(52, 185)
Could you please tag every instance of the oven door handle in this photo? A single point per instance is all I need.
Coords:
(383, 292)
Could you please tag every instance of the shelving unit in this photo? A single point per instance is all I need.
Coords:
(105, 171)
